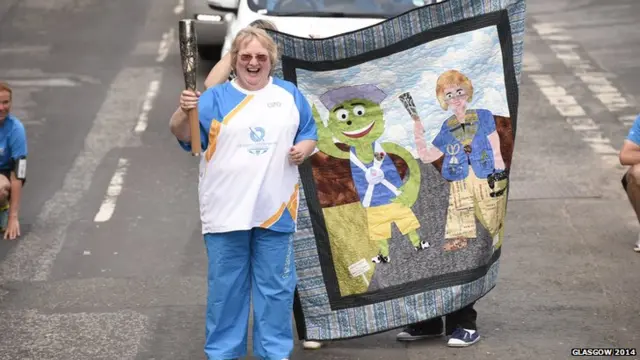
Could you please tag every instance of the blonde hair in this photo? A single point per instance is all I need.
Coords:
(452, 78)
(5, 87)
(263, 24)
(251, 33)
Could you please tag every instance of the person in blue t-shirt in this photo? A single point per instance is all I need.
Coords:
(219, 74)
(248, 224)
(630, 156)
(13, 165)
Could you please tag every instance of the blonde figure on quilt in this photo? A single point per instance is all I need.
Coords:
(472, 163)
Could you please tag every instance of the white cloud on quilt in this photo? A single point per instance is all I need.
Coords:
(476, 54)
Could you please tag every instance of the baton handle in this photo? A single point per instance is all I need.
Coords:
(194, 124)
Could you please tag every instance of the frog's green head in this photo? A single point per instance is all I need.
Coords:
(355, 114)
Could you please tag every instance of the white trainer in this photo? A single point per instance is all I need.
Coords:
(311, 345)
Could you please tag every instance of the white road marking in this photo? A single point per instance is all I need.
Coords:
(113, 191)
(179, 8)
(23, 105)
(35, 74)
(165, 45)
(564, 47)
(577, 118)
(47, 82)
(598, 82)
(628, 120)
(33, 257)
(582, 124)
(530, 63)
(147, 105)
(32, 50)
(146, 48)
(551, 31)
(26, 83)
(603, 148)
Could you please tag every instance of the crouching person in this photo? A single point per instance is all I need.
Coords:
(630, 156)
(13, 165)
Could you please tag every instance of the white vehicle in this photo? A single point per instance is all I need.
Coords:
(310, 18)
(210, 26)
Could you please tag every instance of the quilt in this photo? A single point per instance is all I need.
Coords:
(403, 205)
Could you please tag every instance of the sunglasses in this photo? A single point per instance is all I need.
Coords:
(260, 58)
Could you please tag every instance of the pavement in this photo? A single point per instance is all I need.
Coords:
(111, 265)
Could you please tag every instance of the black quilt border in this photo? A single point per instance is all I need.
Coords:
(500, 19)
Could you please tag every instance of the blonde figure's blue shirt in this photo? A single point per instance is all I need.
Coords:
(246, 179)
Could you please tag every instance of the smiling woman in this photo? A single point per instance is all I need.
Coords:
(253, 54)
(255, 131)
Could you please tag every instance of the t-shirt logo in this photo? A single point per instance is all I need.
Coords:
(256, 134)
(259, 146)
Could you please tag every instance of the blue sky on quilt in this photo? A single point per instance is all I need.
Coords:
(477, 54)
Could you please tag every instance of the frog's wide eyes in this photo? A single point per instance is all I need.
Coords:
(342, 115)
(358, 110)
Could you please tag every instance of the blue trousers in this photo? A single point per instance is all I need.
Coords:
(256, 263)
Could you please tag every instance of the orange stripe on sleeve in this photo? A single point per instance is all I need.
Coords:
(214, 132)
(235, 110)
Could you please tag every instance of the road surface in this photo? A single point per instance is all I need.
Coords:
(111, 264)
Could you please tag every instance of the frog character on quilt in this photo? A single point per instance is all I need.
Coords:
(472, 162)
(357, 120)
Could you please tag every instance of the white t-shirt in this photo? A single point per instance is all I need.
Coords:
(246, 178)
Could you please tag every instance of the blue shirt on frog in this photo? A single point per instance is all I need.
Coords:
(377, 182)
(13, 142)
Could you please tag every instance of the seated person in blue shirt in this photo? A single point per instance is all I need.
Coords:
(13, 165)
(630, 156)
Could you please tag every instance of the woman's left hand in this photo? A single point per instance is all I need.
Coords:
(296, 155)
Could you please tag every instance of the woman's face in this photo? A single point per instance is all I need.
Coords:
(253, 65)
(456, 96)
